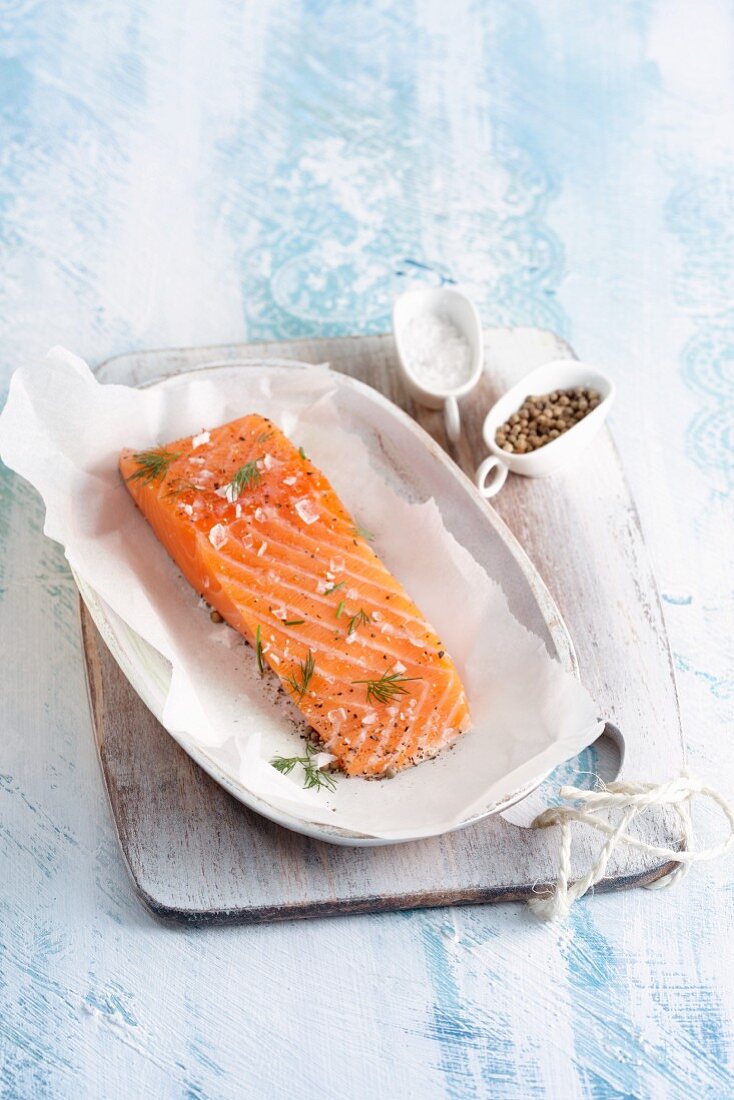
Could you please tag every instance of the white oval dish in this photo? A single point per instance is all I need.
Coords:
(418, 470)
(560, 374)
(462, 312)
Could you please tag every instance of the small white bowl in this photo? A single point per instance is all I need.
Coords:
(462, 312)
(560, 374)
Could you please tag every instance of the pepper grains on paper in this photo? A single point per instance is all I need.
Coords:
(541, 419)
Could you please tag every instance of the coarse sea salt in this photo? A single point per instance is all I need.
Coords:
(218, 536)
(200, 439)
(322, 759)
(227, 492)
(436, 352)
(307, 510)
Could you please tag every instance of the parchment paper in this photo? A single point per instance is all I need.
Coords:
(62, 431)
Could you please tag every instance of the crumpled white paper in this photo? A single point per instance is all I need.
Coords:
(62, 431)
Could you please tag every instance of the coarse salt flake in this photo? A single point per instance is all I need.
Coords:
(398, 667)
(200, 439)
(322, 759)
(218, 536)
(263, 548)
(337, 565)
(307, 510)
(369, 719)
(289, 480)
(227, 492)
(189, 509)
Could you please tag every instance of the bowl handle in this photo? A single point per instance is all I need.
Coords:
(451, 419)
(494, 469)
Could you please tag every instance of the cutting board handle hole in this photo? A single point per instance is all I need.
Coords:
(600, 761)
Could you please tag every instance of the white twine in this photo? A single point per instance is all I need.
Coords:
(631, 799)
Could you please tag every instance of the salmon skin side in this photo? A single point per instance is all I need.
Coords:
(259, 532)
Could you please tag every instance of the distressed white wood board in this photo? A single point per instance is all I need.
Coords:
(196, 855)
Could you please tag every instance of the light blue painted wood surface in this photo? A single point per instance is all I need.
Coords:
(216, 171)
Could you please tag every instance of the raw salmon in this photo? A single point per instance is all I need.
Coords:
(259, 532)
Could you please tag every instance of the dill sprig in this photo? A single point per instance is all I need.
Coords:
(243, 478)
(357, 620)
(339, 608)
(363, 533)
(334, 588)
(306, 670)
(293, 622)
(313, 777)
(264, 436)
(387, 687)
(153, 465)
(259, 651)
(301, 452)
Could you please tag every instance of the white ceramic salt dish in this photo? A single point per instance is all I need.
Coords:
(460, 311)
(560, 374)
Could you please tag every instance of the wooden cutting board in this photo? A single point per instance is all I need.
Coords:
(196, 855)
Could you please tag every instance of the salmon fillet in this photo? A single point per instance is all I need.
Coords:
(259, 532)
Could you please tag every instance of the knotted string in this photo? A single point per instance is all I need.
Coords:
(632, 799)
